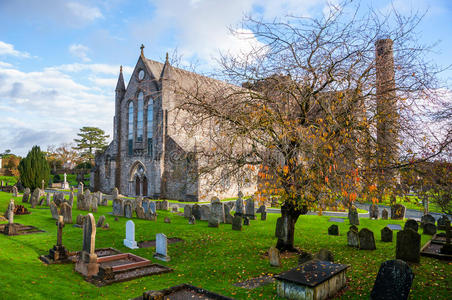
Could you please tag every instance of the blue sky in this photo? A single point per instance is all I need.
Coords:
(59, 60)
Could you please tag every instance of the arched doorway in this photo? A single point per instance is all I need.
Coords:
(145, 186)
(137, 186)
(138, 183)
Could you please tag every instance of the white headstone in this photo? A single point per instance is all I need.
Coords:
(129, 241)
(161, 247)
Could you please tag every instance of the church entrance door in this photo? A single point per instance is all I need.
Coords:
(145, 186)
(137, 186)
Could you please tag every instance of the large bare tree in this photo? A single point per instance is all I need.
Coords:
(320, 109)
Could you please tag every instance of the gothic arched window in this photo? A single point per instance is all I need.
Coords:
(140, 118)
(130, 133)
(150, 125)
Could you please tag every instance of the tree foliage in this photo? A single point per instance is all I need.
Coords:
(91, 139)
(306, 118)
(34, 168)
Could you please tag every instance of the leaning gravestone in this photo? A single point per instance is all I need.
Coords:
(333, 230)
(274, 257)
(161, 247)
(239, 206)
(366, 239)
(237, 223)
(427, 219)
(384, 214)
(48, 199)
(128, 209)
(408, 246)
(80, 219)
(386, 235)
(101, 221)
(66, 212)
(35, 197)
(442, 222)
(398, 212)
(429, 228)
(412, 224)
(187, 211)
(353, 217)
(217, 212)
(227, 214)
(140, 212)
(373, 211)
(196, 211)
(393, 281)
(129, 241)
(26, 195)
(58, 198)
(54, 210)
(249, 210)
(352, 238)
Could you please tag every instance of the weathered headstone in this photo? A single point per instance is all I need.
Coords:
(71, 199)
(26, 195)
(196, 211)
(408, 246)
(441, 223)
(115, 194)
(14, 190)
(66, 212)
(149, 215)
(214, 199)
(153, 207)
(217, 212)
(35, 197)
(393, 281)
(429, 228)
(324, 255)
(386, 234)
(227, 214)
(103, 200)
(100, 221)
(161, 247)
(274, 257)
(140, 212)
(237, 223)
(48, 199)
(192, 220)
(187, 211)
(427, 219)
(384, 214)
(373, 211)
(249, 209)
(10, 212)
(205, 212)
(118, 208)
(128, 212)
(80, 220)
(93, 204)
(145, 205)
(58, 198)
(213, 222)
(333, 230)
(412, 224)
(54, 210)
(398, 212)
(164, 205)
(129, 241)
(352, 238)
(239, 206)
(353, 217)
(366, 239)
(87, 264)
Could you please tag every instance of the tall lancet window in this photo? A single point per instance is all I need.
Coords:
(130, 134)
(149, 125)
(140, 118)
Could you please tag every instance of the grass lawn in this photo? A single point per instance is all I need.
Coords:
(10, 180)
(212, 258)
(411, 202)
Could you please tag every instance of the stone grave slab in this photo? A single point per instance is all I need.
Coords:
(179, 292)
(433, 247)
(394, 226)
(20, 229)
(339, 220)
(255, 282)
(312, 280)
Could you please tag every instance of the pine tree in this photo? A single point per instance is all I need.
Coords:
(34, 168)
(91, 139)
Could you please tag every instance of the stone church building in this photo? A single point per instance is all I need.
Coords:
(148, 155)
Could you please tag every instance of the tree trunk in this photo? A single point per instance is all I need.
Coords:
(285, 227)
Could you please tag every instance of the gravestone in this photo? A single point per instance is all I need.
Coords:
(54, 210)
(93, 204)
(164, 205)
(214, 200)
(129, 241)
(205, 212)
(118, 209)
(152, 207)
(71, 199)
(115, 194)
(264, 216)
(35, 197)
(26, 195)
(353, 217)
(187, 211)
(48, 199)
(140, 212)
(237, 223)
(441, 223)
(373, 211)
(333, 230)
(192, 220)
(128, 210)
(158, 205)
(324, 255)
(246, 221)
(408, 246)
(427, 219)
(58, 198)
(213, 222)
(80, 201)
(398, 212)
(149, 215)
(196, 211)
(261, 209)
(217, 212)
(386, 235)
(353, 227)
(352, 238)
(393, 281)
(249, 209)
(274, 257)
(103, 200)
(384, 214)
(138, 201)
(447, 247)
(227, 214)
(239, 206)
(88, 198)
(161, 247)
(87, 262)
(174, 208)
(366, 239)
(429, 228)
(14, 191)
(145, 205)
(10, 212)
(80, 219)
(101, 221)
(412, 224)
(304, 256)
(66, 212)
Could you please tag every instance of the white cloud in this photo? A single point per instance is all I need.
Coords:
(80, 52)
(8, 49)
(95, 68)
(84, 12)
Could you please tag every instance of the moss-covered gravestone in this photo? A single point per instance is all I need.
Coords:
(366, 239)
(408, 245)
(333, 230)
(393, 281)
(412, 224)
(386, 235)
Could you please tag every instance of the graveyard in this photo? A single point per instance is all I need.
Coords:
(211, 258)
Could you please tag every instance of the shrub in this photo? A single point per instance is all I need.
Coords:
(34, 168)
